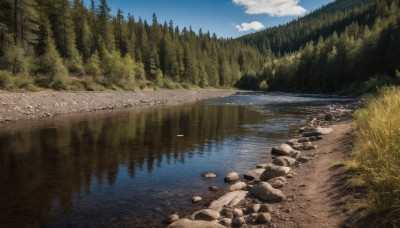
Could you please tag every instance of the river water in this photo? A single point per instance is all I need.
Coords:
(134, 168)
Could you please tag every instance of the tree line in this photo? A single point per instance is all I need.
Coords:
(65, 45)
(357, 52)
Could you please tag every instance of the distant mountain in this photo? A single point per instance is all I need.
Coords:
(322, 22)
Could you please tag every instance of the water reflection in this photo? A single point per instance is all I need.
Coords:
(47, 166)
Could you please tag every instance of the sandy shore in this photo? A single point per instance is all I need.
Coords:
(23, 106)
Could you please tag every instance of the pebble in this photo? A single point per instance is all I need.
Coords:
(196, 199)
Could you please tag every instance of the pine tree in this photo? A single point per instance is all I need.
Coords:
(25, 22)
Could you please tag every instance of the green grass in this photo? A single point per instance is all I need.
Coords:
(377, 155)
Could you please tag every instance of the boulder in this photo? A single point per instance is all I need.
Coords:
(295, 154)
(187, 223)
(232, 176)
(226, 222)
(208, 175)
(313, 138)
(282, 150)
(274, 171)
(206, 215)
(297, 146)
(230, 198)
(277, 184)
(237, 213)
(292, 142)
(254, 174)
(263, 218)
(265, 191)
(171, 218)
(196, 199)
(284, 161)
(227, 212)
(237, 186)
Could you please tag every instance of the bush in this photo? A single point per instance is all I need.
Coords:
(6, 80)
(263, 85)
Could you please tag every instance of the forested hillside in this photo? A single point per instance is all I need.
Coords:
(62, 44)
(331, 50)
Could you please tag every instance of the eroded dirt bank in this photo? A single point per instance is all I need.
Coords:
(22, 106)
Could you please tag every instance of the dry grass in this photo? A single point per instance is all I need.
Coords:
(377, 154)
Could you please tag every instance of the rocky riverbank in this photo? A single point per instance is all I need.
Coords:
(297, 189)
(22, 106)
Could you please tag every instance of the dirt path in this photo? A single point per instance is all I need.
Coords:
(19, 106)
(316, 195)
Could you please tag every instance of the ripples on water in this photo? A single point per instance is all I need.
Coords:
(130, 168)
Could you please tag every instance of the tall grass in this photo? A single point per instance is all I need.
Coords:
(377, 152)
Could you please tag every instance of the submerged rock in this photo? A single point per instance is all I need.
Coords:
(265, 191)
(196, 199)
(208, 175)
(231, 198)
(232, 176)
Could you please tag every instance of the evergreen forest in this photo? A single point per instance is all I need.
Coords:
(346, 46)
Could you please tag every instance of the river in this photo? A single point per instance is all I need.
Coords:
(134, 168)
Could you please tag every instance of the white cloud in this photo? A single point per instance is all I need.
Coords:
(275, 8)
(244, 27)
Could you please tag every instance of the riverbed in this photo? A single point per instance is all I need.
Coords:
(135, 167)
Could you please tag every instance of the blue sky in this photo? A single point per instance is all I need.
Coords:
(226, 18)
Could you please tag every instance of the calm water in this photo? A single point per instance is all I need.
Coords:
(130, 168)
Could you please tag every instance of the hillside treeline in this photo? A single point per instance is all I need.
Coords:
(359, 55)
(63, 44)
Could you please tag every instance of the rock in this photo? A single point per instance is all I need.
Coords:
(187, 223)
(265, 208)
(237, 186)
(208, 175)
(213, 188)
(307, 144)
(254, 174)
(284, 161)
(278, 178)
(324, 131)
(171, 218)
(328, 117)
(292, 142)
(277, 184)
(263, 218)
(226, 222)
(305, 129)
(303, 159)
(297, 146)
(295, 154)
(304, 139)
(263, 166)
(196, 199)
(237, 213)
(230, 198)
(253, 208)
(282, 150)
(232, 176)
(227, 212)
(310, 147)
(206, 215)
(313, 138)
(239, 221)
(274, 171)
(265, 191)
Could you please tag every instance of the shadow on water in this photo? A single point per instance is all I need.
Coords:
(134, 168)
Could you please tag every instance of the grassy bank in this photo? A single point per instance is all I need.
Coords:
(377, 155)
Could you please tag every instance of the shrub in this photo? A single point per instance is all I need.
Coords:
(5, 80)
